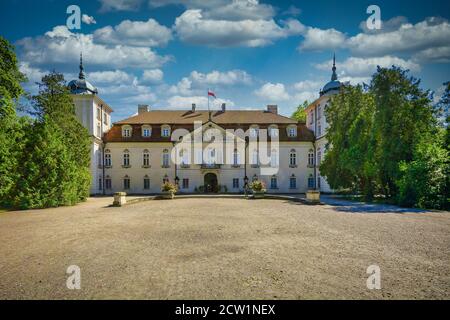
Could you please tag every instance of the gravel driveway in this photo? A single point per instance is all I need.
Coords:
(223, 249)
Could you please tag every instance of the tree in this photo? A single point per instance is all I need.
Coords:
(300, 113)
(424, 180)
(55, 164)
(348, 163)
(10, 127)
(403, 114)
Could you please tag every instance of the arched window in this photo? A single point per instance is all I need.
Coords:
(184, 156)
(165, 158)
(165, 131)
(319, 156)
(126, 183)
(108, 162)
(146, 158)
(292, 158)
(311, 157)
(274, 182)
(146, 131)
(293, 182)
(126, 158)
(274, 158)
(126, 131)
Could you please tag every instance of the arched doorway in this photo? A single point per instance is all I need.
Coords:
(210, 183)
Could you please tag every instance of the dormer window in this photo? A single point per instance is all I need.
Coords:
(165, 131)
(273, 131)
(146, 131)
(254, 131)
(292, 131)
(126, 131)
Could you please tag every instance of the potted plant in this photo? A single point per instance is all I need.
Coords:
(168, 190)
(258, 188)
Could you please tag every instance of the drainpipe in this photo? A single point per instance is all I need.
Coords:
(314, 148)
(103, 150)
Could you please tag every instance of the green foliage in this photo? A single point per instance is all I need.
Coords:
(258, 185)
(10, 76)
(347, 164)
(386, 141)
(169, 187)
(424, 181)
(300, 114)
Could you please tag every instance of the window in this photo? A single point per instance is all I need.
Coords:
(318, 182)
(310, 182)
(105, 118)
(255, 177)
(126, 131)
(319, 129)
(126, 183)
(235, 183)
(292, 158)
(184, 155)
(126, 158)
(319, 156)
(146, 159)
(146, 131)
(311, 158)
(235, 158)
(273, 131)
(292, 131)
(255, 158)
(100, 183)
(165, 131)
(165, 158)
(319, 112)
(274, 159)
(146, 182)
(311, 117)
(292, 182)
(108, 183)
(108, 162)
(165, 179)
(273, 183)
(99, 131)
(99, 114)
(253, 131)
(185, 184)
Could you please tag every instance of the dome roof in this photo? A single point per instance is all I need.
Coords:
(81, 85)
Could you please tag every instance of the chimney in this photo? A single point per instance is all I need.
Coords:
(193, 107)
(272, 108)
(142, 108)
(224, 106)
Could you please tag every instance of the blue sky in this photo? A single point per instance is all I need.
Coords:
(167, 53)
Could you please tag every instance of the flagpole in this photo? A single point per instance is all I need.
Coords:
(209, 111)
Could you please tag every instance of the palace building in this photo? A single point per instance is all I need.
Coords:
(202, 150)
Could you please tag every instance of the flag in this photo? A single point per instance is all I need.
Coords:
(212, 94)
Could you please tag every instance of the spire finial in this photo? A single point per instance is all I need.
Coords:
(81, 74)
(334, 75)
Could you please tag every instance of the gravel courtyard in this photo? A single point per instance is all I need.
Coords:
(223, 249)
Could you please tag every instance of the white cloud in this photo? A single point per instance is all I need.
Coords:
(193, 27)
(365, 67)
(33, 74)
(408, 38)
(439, 55)
(178, 102)
(241, 10)
(114, 77)
(88, 19)
(152, 76)
(183, 87)
(215, 77)
(60, 46)
(318, 39)
(134, 33)
(120, 5)
(273, 92)
(292, 11)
